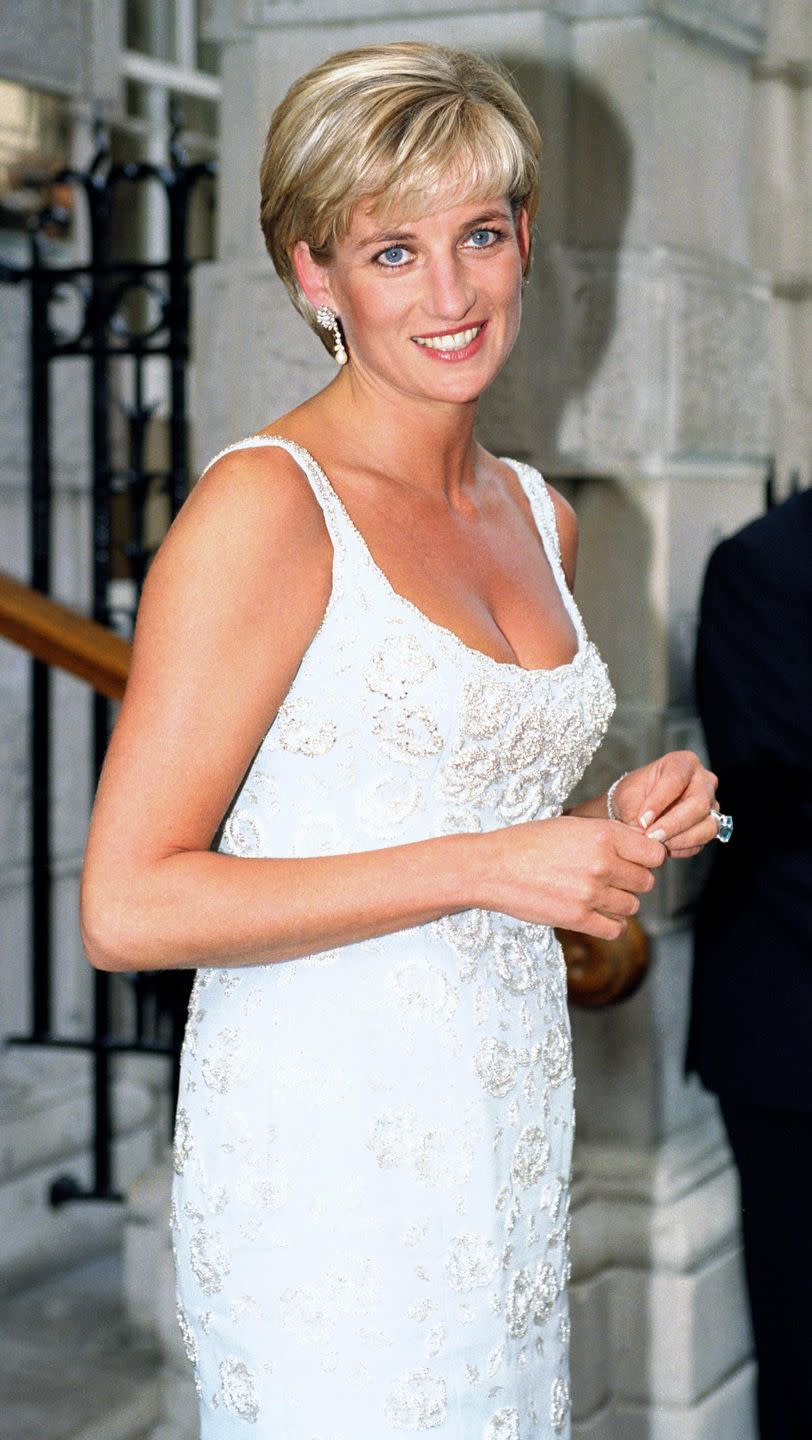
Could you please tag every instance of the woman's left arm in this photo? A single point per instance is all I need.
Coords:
(670, 798)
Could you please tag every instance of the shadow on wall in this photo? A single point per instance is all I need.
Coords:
(547, 405)
(571, 300)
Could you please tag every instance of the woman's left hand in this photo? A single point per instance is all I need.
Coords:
(671, 799)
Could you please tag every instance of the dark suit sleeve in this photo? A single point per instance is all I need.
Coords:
(753, 684)
(752, 979)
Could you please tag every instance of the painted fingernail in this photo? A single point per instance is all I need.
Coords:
(646, 819)
(657, 835)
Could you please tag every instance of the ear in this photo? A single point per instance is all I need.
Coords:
(523, 236)
(313, 277)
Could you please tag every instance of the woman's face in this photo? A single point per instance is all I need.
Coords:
(429, 307)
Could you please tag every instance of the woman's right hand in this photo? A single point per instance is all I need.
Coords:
(574, 872)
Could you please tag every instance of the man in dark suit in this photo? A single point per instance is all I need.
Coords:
(751, 1023)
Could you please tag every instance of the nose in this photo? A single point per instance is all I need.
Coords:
(451, 291)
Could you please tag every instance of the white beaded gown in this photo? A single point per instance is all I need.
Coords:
(373, 1143)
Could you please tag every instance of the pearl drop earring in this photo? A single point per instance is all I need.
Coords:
(328, 320)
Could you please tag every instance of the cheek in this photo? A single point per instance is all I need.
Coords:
(374, 311)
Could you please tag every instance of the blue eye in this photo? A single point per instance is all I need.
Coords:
(392, 257)
(481, 239)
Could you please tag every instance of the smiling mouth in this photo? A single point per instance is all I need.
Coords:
(457, 341)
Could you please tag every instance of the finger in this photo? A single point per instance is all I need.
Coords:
(689, 815)
(695, 837)
(619, 903)
(671, 782)
(641, 849)
(637, 879)
(605, 927)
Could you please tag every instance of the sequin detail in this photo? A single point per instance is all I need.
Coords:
(559, 1405)
(530, 1157)
(504, 1425)
(471, 1262)
(416, 1401)
(239, 1390)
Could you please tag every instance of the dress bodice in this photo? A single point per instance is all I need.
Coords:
(394, 728)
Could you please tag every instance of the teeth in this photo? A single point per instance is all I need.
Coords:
(449, 342)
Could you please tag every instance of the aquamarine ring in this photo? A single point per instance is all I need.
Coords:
(724, 826)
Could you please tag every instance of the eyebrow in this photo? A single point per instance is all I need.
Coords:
(398, 237)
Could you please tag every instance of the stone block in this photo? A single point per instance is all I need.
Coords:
(14, 390)
(665, 356)
(149, 1281)
(71, 408)
(644, 543)
(73, 778)
(44, 43)
(667, 1208)
(14, 808)
(250, 311)
(14, 549)
(609, 375)
(687, 1344)
(678, 99)
(621, 589)
(703, 508)
(46, 1102)
(658, 1302)
(739, 23)
(71, 975)
(614, 1072)
(70, 405)
(789, 33)
(71, 549)
(146, 1237)
(629, 1059)
(14, 972)
(718, 356)
(590, 1365)
(792, 388)
(727, 1413)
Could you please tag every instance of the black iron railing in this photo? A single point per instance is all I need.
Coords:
(130, 312)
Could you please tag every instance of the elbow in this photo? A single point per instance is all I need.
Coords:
(103, 928)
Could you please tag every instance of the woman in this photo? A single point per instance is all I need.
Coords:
(375, 691)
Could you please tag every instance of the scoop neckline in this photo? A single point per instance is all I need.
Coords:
(444, 631)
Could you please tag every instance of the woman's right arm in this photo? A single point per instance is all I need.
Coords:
(230, 605)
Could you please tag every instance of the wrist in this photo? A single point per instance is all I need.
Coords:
(612, 801)
(484, 867)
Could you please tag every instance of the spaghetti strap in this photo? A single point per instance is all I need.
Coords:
(335, 516)
(541, 503)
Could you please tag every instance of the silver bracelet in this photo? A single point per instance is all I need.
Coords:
(610, 795)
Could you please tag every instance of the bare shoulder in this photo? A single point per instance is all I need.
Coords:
(240, 584)
(252, 494)
(567, 524)
(253, 522)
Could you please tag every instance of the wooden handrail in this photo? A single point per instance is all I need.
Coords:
(60, 636)
(599, 972)
(604, 972)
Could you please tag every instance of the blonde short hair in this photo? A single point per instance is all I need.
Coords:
(395, 124)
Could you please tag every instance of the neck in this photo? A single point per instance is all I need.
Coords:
(431, 442)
